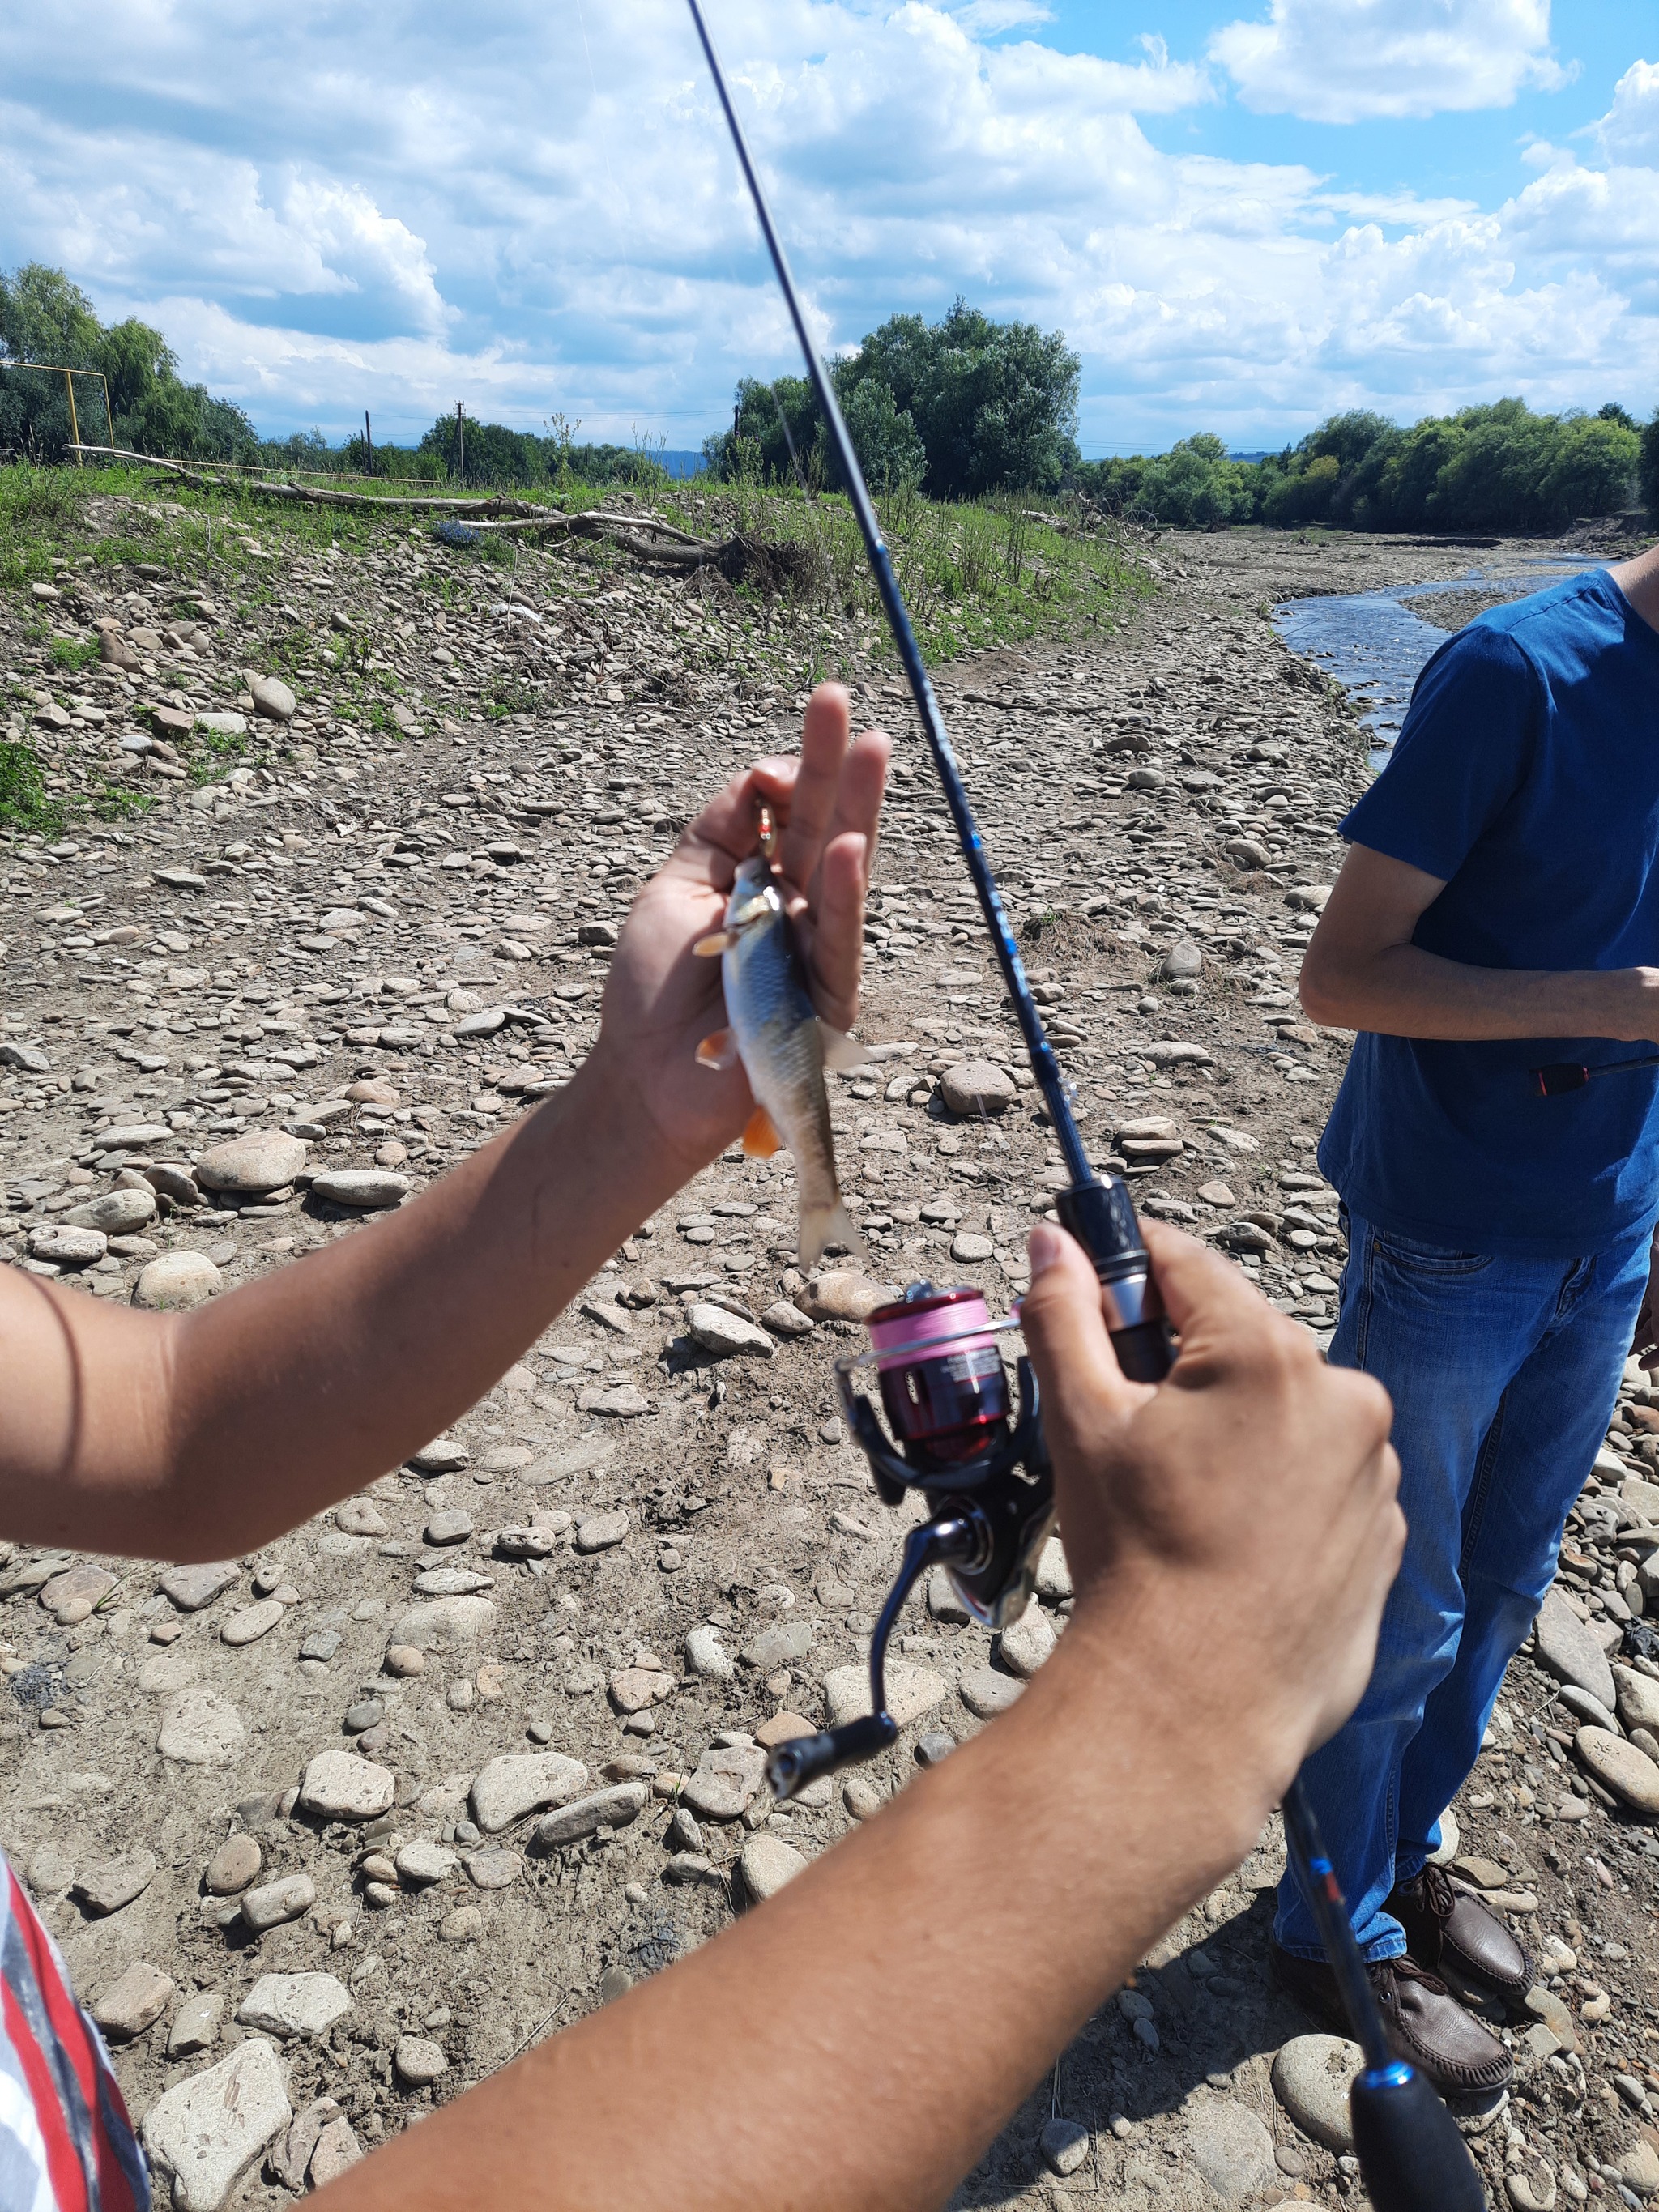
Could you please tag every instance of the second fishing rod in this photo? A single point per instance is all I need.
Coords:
(1413, 2157)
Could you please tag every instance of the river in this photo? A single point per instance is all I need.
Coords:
(1374, 645)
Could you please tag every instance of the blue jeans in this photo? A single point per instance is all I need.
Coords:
(1503, 1373)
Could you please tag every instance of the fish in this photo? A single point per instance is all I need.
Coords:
(784, 1047)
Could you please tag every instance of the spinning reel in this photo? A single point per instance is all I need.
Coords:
(981, 1467)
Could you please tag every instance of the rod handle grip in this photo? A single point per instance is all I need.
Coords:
(1144, 1353)
(1410, 2153)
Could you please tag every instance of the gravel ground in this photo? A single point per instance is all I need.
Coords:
(260, 1808)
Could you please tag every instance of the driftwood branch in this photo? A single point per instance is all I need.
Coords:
(313, 496)
(645, 536)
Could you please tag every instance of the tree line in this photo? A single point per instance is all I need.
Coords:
(954, 409)
(1497, 467)
(45, 318)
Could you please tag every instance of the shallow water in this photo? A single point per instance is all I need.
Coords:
(1375, 646)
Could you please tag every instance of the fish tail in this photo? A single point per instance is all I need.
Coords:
(827, 1224)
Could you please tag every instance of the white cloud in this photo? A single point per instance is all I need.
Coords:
(1628, 131)
(985, 18)
(1340, 61)
(462, 213)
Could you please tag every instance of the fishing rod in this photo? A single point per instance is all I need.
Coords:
(1564, 1075)
(984, 1473)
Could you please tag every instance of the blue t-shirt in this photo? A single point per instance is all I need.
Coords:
(1526, 776)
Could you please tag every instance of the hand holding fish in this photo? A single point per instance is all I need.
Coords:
(662, 1002)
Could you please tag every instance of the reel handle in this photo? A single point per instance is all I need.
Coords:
(804, 1757)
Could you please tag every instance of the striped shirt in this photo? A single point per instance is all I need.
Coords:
(66, 2145)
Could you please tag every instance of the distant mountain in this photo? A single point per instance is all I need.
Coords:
(681, 465)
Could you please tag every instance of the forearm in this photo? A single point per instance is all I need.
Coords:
(203, 1435)
(1399, 990)
(886, 2014)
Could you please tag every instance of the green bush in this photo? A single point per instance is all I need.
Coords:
(959, 408)
(45, 318)
(1648, 468)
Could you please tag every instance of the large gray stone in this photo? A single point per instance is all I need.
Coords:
(201, 1728)
(117, 1883)
(69, 1247)
(524, 1782)
(766, 1863)
(725, 1333)
(134, 2002)
(275, 1902)
(339, 1785)
(974, 1086)
(260, 1160)
(196, 2024)
(207, 2131)
(781, 1645)
(423, 1862)
(726, 1781)
(1064, 2144)
(445, 1624)
(1569, 1650)
(707, 1657)
(1621, 1767)
(119, 1212)
(1638, 1700)
(175, 1282)
(272, 698)
(191, 1589)
(606, 1808)
(365, 1188)
(985, 1693)
(602, 1532)
(911, 1692)
(1229, 2147)
(1028, 1642)
(418, 2060)
(843, 1294)
(250, 1622)
(295, 2004)
(1311, 2076)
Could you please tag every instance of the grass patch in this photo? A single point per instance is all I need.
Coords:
(25, 803)
(73, 652)
(213, 754)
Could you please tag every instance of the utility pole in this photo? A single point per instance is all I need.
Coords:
(460, 439)
(368, 441)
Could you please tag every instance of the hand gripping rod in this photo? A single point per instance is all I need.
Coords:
(1413, 2158)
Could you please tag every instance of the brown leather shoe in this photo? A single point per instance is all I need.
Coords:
(1456, 1937)
(1425, 2022)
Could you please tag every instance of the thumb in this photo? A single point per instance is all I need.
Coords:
(1065, 1327)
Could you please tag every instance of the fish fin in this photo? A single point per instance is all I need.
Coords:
(760, 1137)
(716, 942)
(841, 1051)
(827, 1224)
(718, 1050)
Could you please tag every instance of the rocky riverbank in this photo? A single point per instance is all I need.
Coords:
(357, 1819)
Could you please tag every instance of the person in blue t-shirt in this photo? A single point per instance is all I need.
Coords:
(1499, 910)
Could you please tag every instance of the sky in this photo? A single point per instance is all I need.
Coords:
(1245, 215)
